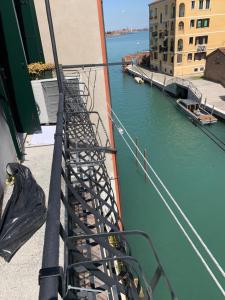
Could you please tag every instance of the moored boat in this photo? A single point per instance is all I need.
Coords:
(196, 111)
(139, 80)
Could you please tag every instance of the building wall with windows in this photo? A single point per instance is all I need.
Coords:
(199, 30)
(162, 35)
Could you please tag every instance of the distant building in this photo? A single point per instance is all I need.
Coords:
(215, 66)
(183, 33)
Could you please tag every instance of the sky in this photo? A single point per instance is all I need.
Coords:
(125, 13)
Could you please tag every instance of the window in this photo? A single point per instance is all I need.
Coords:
(181, 26)
(165, 57)
(166, 10)
(172, 45)
(151, 14)
(192, 23)
(200, 56)
(195, 69)
(199, 23)
(201, 40)
(173, 11)
(160, 18)
(155, 55)
(191, 40)
(155, 13)
(202, 23)
(189, 56)
(202, 69)
(192, 4)
(179, 58)
(181, 10)
(172, 59)
(180, 45)
(207, 5)
(172, 26)
(201, 2)
(205, 22)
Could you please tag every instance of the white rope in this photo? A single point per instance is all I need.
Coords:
(175, 218)
(174, 202)
(70, 287)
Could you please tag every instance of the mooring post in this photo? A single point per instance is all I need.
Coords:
(145, 163)
(152, 78)
(164, 83)
(136, 150)
(205, 102)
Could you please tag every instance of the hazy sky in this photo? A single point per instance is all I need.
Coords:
(126, 13)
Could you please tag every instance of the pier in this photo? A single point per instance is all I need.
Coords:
(211, 94)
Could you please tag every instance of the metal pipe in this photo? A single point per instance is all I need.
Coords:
(53, 42)
(49, 285)
(96, 65)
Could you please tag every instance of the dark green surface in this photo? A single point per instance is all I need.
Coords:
(9, 119)
(18, 81)
(29, 30)
(190, 164)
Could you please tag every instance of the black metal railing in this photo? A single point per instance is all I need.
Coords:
(82, 211)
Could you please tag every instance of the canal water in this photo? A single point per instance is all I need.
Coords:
(191, 165)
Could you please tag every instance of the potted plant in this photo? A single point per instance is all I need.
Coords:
(39, 70)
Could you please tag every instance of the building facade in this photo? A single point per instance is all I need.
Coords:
(215, 66)
(183, 33)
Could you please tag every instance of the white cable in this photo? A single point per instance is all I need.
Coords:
(175, 203)
(176, 220)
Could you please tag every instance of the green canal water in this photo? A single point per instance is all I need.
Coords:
(191, 166)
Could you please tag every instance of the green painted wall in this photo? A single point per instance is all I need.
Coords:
(22, 101)
(27, 18)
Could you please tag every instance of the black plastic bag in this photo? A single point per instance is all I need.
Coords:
(24, 214)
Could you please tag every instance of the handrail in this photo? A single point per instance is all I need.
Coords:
(87, 195)
(187, 83)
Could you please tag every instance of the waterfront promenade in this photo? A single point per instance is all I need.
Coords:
(210, 93)
(213, 93)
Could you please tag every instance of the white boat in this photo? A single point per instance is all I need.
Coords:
(196, 112)
(139, 80)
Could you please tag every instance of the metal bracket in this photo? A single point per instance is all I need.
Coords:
(53, 272)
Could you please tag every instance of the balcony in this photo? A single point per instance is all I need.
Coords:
(201, 48)
(163, 49)
(155, 33)
(166, 33)
(154, 48)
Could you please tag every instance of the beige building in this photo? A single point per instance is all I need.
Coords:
(183, 33)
